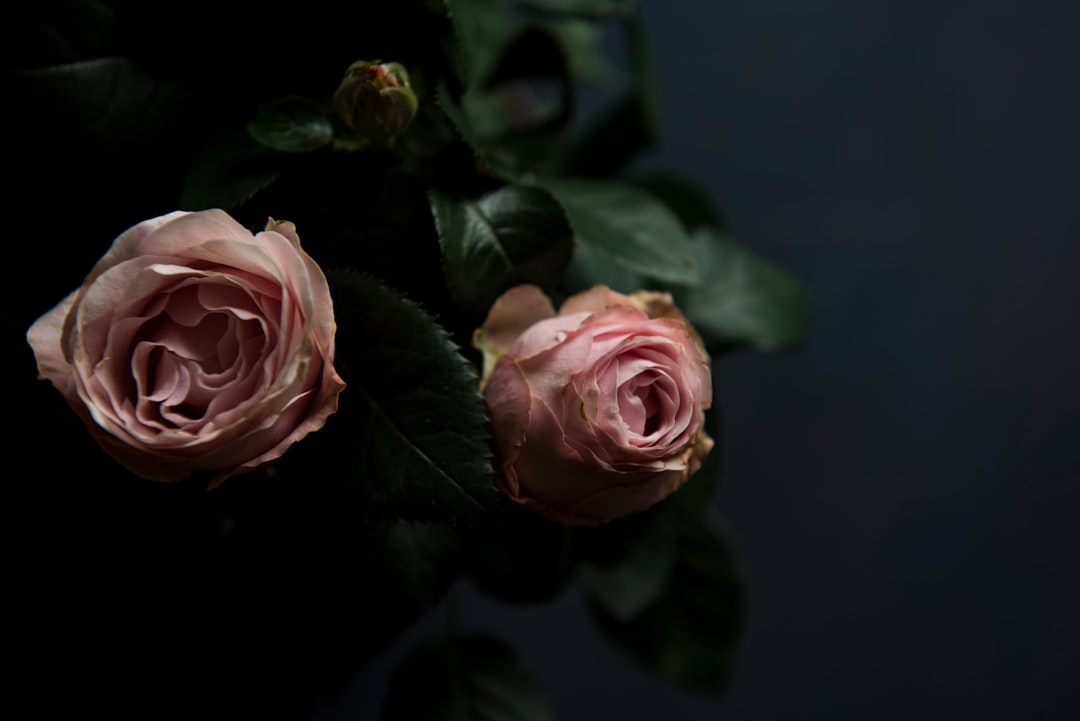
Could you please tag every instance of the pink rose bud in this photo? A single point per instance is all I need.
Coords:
(193, 344)
(598, 411)
(375, 99)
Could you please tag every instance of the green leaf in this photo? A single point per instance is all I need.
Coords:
(483, 28)
(633, 228)
(511, 236)
(228, 170)
(588, 8)
(689, 634)
(628, 127)
(465, 678)
(611, 142)
(686, 198)
(748, 301)
(635, 581)
(519, 558)
(514, 119)
(100, 106)
(61, 31)
(292, 125)
(592, 265)
(411, 564)
(412, 425)
(585, 48)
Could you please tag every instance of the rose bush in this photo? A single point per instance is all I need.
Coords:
(597, 411)
(194, 344)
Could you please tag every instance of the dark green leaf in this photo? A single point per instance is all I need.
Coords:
(689, 634)
(60, 31)
(100, 106)
(628, 127)
(592, 265)
(637, 231)
(412, 422)
(511, 236)
(518, 557)
(465, 678)
(515, 118)
(687, 199)
(229, 169)
(585, 48)
(589, 8)
(747, 301)
(483, 28)
(627, 587)
(292, 125)
(411, 564)
(611, 142)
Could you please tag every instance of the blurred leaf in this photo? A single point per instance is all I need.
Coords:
(627, 587)
(292, 125)
(637, 231)
(228, 170)
(61, 31)
(629, 127)
(747, 300)
(484, 28)
(518, 557)
(411, 564)
(585, 49)
(689, 634)
(514, 119)
(100, 106)
(463, 678)
(412, 422)
(511, 236)
(611, 142)
(686, 198)
(588, 8)
(592, 265)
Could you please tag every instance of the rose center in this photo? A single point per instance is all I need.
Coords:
(190, 360)
(640, 405)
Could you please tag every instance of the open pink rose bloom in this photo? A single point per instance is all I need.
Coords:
(194, 344)
(597, 411)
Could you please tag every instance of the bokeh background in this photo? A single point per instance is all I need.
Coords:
(903, 489)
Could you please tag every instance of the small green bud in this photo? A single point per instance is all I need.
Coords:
(375, 99)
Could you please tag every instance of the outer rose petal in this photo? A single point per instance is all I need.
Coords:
(512, 313)
(44, 338)
(594, 300)
(507, 396)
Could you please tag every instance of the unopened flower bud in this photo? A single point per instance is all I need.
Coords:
(375, 100)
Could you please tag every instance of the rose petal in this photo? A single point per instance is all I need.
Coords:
(508, 401)
(595, 300)
(512, 314)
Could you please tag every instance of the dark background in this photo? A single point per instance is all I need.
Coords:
(903, 488)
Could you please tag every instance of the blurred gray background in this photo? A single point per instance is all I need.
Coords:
(903, 488)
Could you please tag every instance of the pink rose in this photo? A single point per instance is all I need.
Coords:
(193, 344)
(599, 411)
